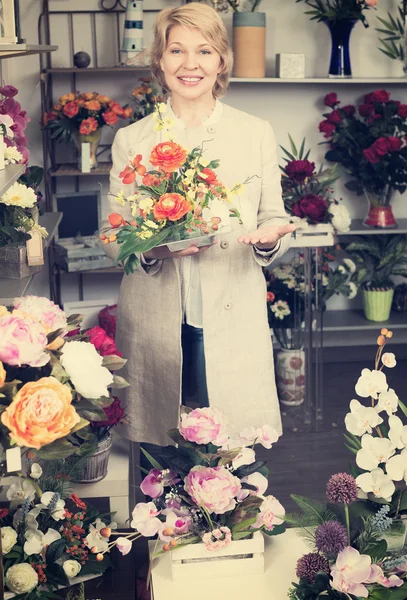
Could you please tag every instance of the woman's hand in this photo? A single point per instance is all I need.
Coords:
(265, 238)
(164, 252)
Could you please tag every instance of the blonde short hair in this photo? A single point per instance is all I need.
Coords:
(208, 22)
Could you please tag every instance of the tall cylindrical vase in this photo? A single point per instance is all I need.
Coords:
(340, 64)
(249, 44)
(290, 366)
(93, 139)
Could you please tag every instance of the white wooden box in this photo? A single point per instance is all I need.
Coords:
(314, 236)
(241, 557)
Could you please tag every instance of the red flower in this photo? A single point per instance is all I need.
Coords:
(3, 513)
(78, 502)
(331, 100)
(381, 146)
(109, 117)
(402, 111)
(395, 143)
(151, 180)
(71, 109)
(299, 170)
(349, 110)
(371, 155)
(88, 126)
(326, 128)
(116, 108)
(312, 207)
(270, 297)
(114, 415)
(103, 343)
(208, 176)
(335, 117)
(380, 96)
(365, 110)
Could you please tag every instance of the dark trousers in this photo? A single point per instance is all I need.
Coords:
(194, 387)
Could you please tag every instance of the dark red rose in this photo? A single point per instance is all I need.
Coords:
(349, 110)
(381, 146)
(371, 155)
(402, 111)
(3, 512)
(380, 96)
(114, 415)
(326, 128)
(103, 343)
(395, 143)
(299, 170)
(369, 98)
(311, 207)
(396, 102)
(335, 117)
(365, 110)
(331, 100)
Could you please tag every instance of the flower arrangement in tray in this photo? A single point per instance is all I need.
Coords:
(180, 199)
(52, 386)
(308, 194)
(145, 97)
(209, 489)
(357, 539)
(49, 535)
(339, 10)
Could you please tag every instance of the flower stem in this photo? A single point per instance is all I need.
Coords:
(346, 507)
(207, 516)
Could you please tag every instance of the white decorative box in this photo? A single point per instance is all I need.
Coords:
(241, 557)
(314, 236)
(290, 66)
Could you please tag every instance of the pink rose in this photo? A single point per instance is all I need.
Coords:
(204, 426)
(271, 514)
(371, 155)
(365, 110)
(22, 341)
(213, 488)
(43, 310)
(217, 538)
(372, 2)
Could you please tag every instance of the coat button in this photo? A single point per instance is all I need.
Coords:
(211, 129)
(224, 245)
(130, 152)
(228, 306)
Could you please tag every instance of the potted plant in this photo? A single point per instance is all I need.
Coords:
(145, 96)
(340, 16)
(392, 45)
(378, 258)
(368, 141)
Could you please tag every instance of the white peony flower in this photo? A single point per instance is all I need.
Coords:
(397, 432)
(53, 502)
(388, 401)
(36, 471)
(378, 483)
(19, 195)
(84, 366)
(361, 419)
(21, 578)
(371, 383)
(8, 539)
(350, 265)
(340, 216)
(353, 290)
(37, 541)
(12, 155)
(389, 360)
(374, 451)
(396, 466)
(71, 568)
(20, 490)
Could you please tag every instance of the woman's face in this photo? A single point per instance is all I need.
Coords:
(190, 64)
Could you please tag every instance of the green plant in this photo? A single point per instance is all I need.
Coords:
(337, 10)
(378, 258)
(392, 44)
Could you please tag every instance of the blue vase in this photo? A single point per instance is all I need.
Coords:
(340, 58)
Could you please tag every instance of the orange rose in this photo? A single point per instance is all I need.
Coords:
(208, 176)
(168, 156)
(109, 117)
(103, 99)
(92, 105)
(2, 374)
(127, 112)
(116, 108)
(67, 98)
(171, 207)
(71, 109)
(40, 413)
(88, 126)
(88, 95)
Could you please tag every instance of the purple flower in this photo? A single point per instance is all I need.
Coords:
(342, 489)
(311, 564)
(153, 485)
(330, 538)
(9, 91)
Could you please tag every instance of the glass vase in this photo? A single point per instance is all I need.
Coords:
(340, 65)
(94, 140)
(380, 213)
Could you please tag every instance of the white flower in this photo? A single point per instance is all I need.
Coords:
(217, 209)
(374, 451)
(389, 360)
(376, 482)
(37, 541)
(145, 519)
(7, 121)
(266, 436)
(350, 265)
(361, 419)
(95, 539)
(396, 467)
(340, 216)
(258, 481)
(71, 568)
(271, 514)
(388, 401)
(8, 539)
(341, 269)
(246, 456)
(36, 471)
(280, 309)
(371, 383)
(353, 290)
(20, 490)
(247, 435)
(12, 155)
(19, 195)
(123, 545)
(41, 230)
(54, 503)
(397, 432)
(84, 366)
(21, 578)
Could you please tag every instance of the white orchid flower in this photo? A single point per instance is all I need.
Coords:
(258, 481)
(374, 452)
(145, 519)
(378, 483)
(361, 419)
(388, 401)
(371, 383)
(37, 541)
(389, 360)
(396, 466)
(20, 490)
(217, 209)
(246, 456)
(55, 505)
(397, 432)
(36, 471)
(95, 539)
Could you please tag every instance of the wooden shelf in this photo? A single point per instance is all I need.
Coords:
(103, 271)
(71, 170)
(347, 320)
(14, 50)
(9, 175)
(357, 228)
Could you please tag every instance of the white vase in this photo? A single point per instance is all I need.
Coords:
(290, 376)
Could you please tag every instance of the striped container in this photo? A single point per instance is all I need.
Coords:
(94, 467)
(377, 304)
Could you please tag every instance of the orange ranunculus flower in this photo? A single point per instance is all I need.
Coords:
(40, 413)
(116, 108)
(208, 176)
(109, 117)
(88, 95)
(71, 109)
(2, 374)
(49, 116)
(103, 99)
(151, 180)
(171, 207)
(127, 112)
(270, 297)
(128, 175)
(92, 105)
(168, 156)
(67, 98)
(88, 126)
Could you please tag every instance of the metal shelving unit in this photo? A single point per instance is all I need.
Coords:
(71, 170)
(9, 175)
(14, 50)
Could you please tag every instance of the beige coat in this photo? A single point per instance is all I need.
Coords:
(238, 349)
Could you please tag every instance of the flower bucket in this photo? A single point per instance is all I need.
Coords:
(396, 536)
(377, 304)
(94, 467)
(249, 44)
(13, 263)
(94, 140)
(240, 557)
(290, 376)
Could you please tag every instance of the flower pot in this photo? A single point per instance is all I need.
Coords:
(94, 468)
(240, 557)
(396, 536)
(290, 376)
(13, 263)
(340, 65)
(377, 304)
(94, 140)
(249, 44)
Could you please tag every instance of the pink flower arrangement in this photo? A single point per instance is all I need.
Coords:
(15, 120)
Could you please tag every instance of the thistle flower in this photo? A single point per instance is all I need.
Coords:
(342, 489)
(330, 538)
(310, 564)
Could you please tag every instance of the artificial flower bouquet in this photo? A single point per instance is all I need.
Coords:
(83, 114)
(145, 97)
(50, 536)
(354, 537)
(53, 386)
(339, 10)
(308, 194)
(180, 199)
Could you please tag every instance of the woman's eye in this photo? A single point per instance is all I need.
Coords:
(176, 51)
(205, 52)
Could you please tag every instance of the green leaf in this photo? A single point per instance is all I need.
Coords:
(403, 408)
(113, 362)
(55, 551)
(246, 470)
(59, 449)
(277, 530)
(152, 460)
(56, 575)
(82, 423)
(243, 525)
(310, 507)
(293, 146)
(119, 382)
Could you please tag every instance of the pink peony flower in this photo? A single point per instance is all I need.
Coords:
(22, 341)
(204, 426)
(217, 538)
(153, 485)
(43, 310)
(145, 519)
(213, 488)
(271, 513)
(123, 545)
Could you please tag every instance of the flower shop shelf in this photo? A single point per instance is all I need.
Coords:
(71, 170)
(13, 288)
(323, 80)
(9, 175)
(344, 320)
(357, 228)
(14, 50)
(94, 70)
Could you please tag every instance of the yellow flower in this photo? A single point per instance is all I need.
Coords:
(3, 311)
(191, 193)
(132, 198)
(146, 204)
(134, 210)
(120, 198)
(162, 107)
(188, 176)
(204, 163)
(43, 232)
(150, 224)
(145, 234)
(2, 374)
(67, 98)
